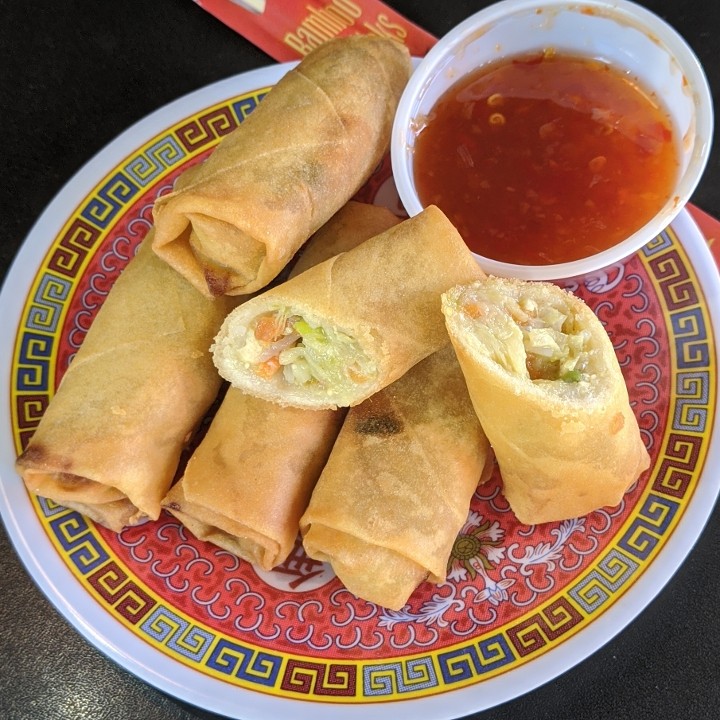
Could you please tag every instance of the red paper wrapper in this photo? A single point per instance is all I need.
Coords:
(709, 227)
(290, 29)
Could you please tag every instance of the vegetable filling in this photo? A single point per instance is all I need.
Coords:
(530, 340)
(305, 352)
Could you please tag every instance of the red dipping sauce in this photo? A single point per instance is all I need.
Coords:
(546, 159)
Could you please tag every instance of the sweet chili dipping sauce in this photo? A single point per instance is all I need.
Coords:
(546, 159)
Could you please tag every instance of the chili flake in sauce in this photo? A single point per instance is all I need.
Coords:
(546, 159)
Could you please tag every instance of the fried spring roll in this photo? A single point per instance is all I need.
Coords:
(341, 331)
(546, 384)
(110, 440)
(250, 479)
(313, 141)
(397, 486)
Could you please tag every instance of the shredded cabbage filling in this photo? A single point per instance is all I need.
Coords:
(530, 340)
(304, 352)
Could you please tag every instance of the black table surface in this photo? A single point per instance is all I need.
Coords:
(73, 76)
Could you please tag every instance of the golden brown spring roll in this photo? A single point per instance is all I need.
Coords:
(249, 481)
(341, 331)
(397, 486)
(110, 440)
(547, 387)
(298, 158)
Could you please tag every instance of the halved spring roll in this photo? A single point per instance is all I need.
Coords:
(110, 440)
(341, 331)
(250, 479)
(546, 384)
(397, 486)
(312, 142)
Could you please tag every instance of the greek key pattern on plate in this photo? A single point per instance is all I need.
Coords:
(85, 232)
(583, 585)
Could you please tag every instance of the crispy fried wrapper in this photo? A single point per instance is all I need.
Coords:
(250, 479)
(547, 387)
(398, 484)
(378, 306)
(232, 224)
(110, 440)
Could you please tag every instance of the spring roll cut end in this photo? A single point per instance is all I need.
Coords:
(547, 387)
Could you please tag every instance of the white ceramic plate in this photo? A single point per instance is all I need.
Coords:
(519, 607)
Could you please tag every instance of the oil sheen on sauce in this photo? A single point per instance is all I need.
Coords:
(546, 159)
